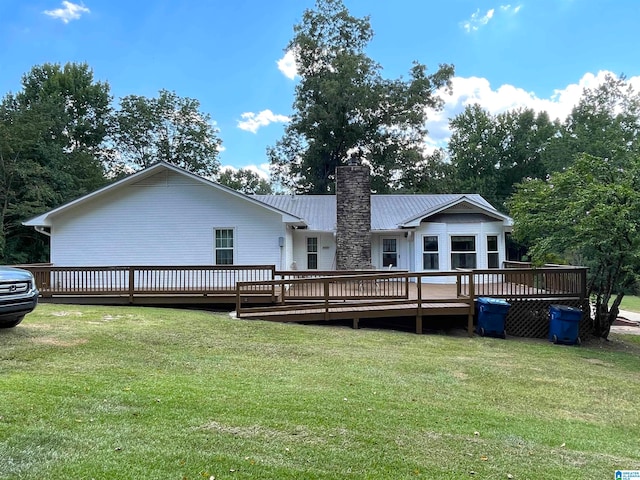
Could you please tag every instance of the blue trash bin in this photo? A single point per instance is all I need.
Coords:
(492, 313)
(564, 323)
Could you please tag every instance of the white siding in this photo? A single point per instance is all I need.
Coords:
(444, 232)
(167, 219)
(402, 245)
(287, 263)
(326, 249)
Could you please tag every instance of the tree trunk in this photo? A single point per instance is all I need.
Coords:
(605, 316)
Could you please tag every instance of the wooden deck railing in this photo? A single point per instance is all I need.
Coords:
(377, 289)
(521, 280)
(353, 284)
(148, 280)
(361, 290)
(251, 283)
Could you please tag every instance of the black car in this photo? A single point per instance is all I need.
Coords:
(18, 295)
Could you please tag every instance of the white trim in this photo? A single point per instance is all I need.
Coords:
(437, 252)
(44, 220)
(415, 220)
(307, 252)
(233, 247)
(452, 252)
(490, 252)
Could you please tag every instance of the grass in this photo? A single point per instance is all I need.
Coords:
(631, 303)
(131, 393)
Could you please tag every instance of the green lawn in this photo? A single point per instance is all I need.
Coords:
(631, 303)
(135, 393)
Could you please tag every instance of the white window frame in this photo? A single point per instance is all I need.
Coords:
(431, 252)
(312, 252)
(495, 252)
(216, 248)
(453, 252)
(396, 251)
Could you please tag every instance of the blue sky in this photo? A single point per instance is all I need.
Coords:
(230, 54)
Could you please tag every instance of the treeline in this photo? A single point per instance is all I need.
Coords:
(62, 137)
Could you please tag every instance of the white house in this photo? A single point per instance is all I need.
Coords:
(164, 216)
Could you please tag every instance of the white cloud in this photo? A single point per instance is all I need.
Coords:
(476, 21)
(287, 65)
(470, 90)
(70, 11)
(262, 169)
(251, 122)
(509, 9)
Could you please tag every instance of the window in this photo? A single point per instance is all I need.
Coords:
(463, 251)
(389, 252)
(493, 258)
(430, 259)
(224, 246)
(312, 253)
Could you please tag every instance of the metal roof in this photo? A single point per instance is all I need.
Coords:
(317, 212)
(44, 220)
(388, 212)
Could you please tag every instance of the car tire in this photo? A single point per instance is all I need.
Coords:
(11, 323)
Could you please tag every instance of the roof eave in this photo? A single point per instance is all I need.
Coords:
(44, 220)
(416, 220)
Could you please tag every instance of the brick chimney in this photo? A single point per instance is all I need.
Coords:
(353, 212)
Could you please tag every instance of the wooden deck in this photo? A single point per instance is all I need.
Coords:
(262, 292)
(395, 295)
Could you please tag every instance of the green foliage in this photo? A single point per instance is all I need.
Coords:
(131, 393)
(491, 153)
(587, 211)
(167, 128)
(605, 124)
(344, 107)
(587, 214)
(51, 135)
(245, 181)
(428, 173)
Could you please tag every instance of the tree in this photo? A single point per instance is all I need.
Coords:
(72, 112)
(431, 173)
(491, 153)
(605, 123)
(245, 181)
(51, 135)
(169, 128)
(587, 214)
(343, 106)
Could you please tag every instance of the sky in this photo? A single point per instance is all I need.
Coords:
(230, 55)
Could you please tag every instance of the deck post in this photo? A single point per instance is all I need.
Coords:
(419, 309)
(131, 283)
(472, 292)
(356, 322)
(326, 299)
(238, 306)
(282, 291)
(273, 285)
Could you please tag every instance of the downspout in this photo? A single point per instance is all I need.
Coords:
(43, 231)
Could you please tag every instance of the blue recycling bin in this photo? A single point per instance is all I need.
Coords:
(492, 313)
(564, 323)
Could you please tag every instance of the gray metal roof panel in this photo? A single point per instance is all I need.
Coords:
(318, 211)
(387, 211)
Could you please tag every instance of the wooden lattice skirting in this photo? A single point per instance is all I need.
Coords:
(530, 317)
